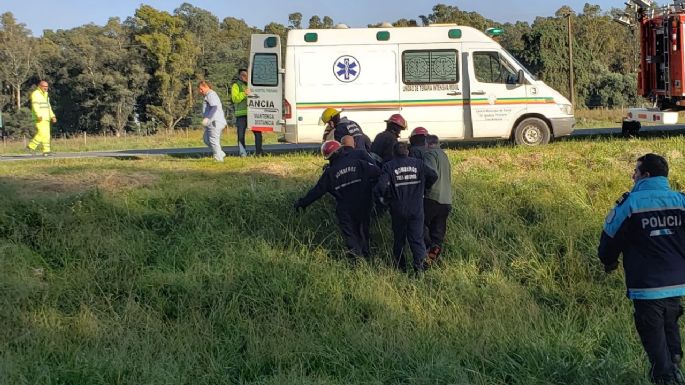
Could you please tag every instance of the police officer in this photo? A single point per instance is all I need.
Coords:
(350, 181)
(402, 183)
(341, 126)
(646, 226)
(384, 142)
(417, 142)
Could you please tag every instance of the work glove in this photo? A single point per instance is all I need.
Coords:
(205, 122)
(298, 206)
(610, 267)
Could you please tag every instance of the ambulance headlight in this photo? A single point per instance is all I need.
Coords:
(566, 109)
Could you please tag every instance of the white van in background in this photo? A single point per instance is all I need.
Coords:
(455, 81)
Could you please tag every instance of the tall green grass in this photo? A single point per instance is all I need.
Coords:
(173, 271)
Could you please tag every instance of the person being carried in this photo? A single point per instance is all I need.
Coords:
(646, 226)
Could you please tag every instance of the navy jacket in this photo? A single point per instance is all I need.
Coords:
(349, 179)
(383, 145)
(647, 227)
(348, 127)
(402, 182)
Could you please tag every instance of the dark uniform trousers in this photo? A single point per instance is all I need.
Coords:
(354, 225)
(408, 227)
(435, 221)
(656, 322)
(241, 126)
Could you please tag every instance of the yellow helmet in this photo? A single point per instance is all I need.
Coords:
(328, 114)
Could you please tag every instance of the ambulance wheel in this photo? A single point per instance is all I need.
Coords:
(532, 132)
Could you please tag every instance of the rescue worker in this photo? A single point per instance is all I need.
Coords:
(384, 142)
(42, 116)
(337, 127)
(349, 180)
(213, 120)
(417, 142)
(437, 203)
(646, 226)
(402, 184)
(239, 94)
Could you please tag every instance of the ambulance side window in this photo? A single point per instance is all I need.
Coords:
(430, 67)
(265, 70)
(490, 67)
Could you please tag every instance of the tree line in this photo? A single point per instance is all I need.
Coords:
(140, 74)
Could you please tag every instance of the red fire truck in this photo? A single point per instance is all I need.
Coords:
(661, 77)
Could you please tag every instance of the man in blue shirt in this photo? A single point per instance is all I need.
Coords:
(213, 120)
(646, 226)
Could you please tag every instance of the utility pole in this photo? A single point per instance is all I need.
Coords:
(570, 59)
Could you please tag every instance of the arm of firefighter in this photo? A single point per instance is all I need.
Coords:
(431, 176)
(316, 192)
(236, 95)
(612, 240)
(371, 171)
(380, 190)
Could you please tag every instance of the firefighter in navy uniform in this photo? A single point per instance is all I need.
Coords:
(340, 126)
(350, 181)
(384, 143)
(417, 142)
(646, 226)
(402, 183)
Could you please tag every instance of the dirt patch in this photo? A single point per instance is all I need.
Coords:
(106, 180)
(279, 169)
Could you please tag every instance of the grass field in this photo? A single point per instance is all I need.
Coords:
(185, 271)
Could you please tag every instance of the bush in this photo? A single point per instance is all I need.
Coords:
(17, 123)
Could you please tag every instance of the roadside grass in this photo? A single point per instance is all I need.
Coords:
(176, 139)
(185, 271)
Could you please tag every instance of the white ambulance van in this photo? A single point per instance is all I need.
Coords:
(455, 81)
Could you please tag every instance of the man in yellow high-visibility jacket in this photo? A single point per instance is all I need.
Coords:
(43, 116)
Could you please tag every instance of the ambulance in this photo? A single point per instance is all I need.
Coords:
(455, 81)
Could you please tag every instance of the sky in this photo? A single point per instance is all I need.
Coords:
(39, 15)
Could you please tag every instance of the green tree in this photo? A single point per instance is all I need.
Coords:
(295, 20)
(17, 55)
(172, 52)
(315, 22)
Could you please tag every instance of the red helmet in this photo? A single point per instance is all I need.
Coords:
(397, 119)
(419, 131)
(330, 147)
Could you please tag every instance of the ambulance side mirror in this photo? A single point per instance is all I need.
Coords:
(521, 79)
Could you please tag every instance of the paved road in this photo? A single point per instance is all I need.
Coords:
(289, 148)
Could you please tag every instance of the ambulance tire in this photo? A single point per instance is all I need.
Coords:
(532, 132)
